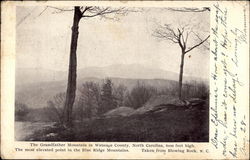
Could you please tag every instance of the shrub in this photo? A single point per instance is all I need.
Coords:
(195, 89)
(139, 95)
(192, 89)
(56, 107)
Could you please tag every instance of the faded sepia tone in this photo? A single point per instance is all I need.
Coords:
(142, 75)
(128, 70)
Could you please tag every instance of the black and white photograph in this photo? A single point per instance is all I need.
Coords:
(112, 74)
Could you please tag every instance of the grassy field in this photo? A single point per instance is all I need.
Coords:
(174, 124)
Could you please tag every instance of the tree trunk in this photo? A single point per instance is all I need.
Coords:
(71, 86)
(181, 75)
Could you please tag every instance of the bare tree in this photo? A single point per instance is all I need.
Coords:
(180, 36)
(80, 12)
(83, 12)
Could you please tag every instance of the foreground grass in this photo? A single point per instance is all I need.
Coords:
(176, 124)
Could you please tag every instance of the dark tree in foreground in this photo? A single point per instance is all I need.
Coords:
(81, 13)
(179, 36)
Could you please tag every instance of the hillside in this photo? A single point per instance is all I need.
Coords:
(160, 126)
(36, 95)
(35, 87)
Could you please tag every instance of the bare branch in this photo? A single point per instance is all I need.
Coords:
(60, 9)
(183, 44)
(103, 12)
(25, 17)
(166, 32)
(200, 40)
(187, 34)
(165, 35)
(185, 9)
(197, 45)
(180, 36)
(85, 9)
(168, 27)
(43, 11)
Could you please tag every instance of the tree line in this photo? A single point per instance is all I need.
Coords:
(94, 99)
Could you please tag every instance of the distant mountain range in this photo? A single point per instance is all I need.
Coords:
(35, 87)
(133, 71)
(36, 95)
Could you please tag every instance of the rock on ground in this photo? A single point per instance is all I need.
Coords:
(120, 111)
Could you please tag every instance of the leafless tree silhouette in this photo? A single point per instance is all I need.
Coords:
(180, 36)
(81, 12)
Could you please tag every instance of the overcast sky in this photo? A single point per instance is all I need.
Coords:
(44, 41)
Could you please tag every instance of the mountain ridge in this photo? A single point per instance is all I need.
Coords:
(132, 71)
(36, 95)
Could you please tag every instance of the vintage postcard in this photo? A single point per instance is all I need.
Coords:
(125, 80)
